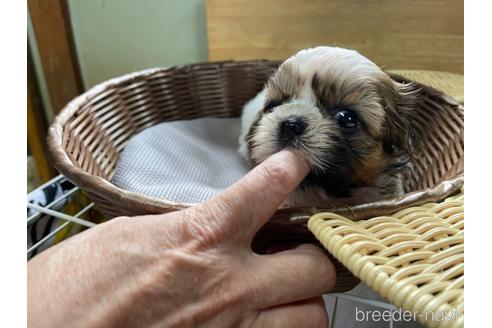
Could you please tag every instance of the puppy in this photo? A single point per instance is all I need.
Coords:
(348, 119)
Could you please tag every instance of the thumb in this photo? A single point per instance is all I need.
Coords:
(252, 200)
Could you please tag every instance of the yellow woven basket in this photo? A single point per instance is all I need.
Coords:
(414, 258)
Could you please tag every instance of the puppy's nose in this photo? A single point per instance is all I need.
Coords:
(291, 127)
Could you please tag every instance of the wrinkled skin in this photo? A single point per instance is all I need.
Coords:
(189, 268)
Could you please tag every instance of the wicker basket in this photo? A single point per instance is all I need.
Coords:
(87, 136)
(413, 258)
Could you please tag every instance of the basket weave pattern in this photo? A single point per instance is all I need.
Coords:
(440, 131)
(414, 258)
(87, 136)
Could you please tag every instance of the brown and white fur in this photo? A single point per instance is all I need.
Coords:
(346, 116)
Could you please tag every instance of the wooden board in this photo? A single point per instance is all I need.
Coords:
(50, 21)
(397, 34)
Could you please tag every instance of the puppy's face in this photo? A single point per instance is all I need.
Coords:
(343, 113)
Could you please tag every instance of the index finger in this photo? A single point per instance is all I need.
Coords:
(252, 200)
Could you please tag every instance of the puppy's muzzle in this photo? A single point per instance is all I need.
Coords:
(291, 128)
(298, 125)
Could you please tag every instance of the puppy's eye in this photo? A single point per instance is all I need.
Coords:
(270, 105)
(347, 118)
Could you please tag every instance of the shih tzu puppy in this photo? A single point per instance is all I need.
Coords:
(348, 118)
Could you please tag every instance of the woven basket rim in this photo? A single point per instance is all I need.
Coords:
(101, 186)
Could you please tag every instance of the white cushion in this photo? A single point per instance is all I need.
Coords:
(182, 161)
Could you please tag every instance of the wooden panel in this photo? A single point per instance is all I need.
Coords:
(51, 26)
(417, 34)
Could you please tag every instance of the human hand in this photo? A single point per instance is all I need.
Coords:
(194, 267)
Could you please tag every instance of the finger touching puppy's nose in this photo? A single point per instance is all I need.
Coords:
(255, 198)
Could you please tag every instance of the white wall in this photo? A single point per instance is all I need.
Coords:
(114, 37)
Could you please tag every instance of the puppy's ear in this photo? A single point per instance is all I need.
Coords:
(400, 101)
